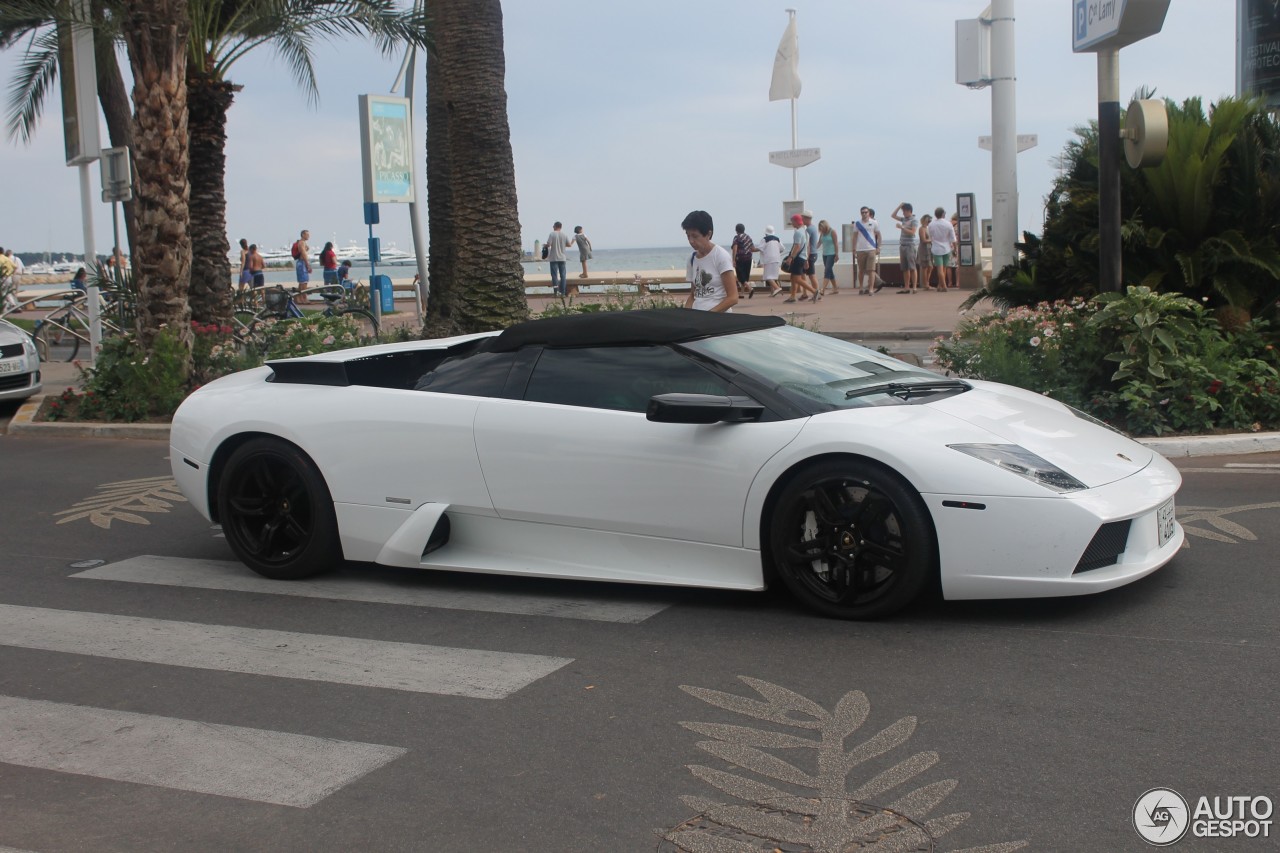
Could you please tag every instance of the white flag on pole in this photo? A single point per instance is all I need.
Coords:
(786, 66)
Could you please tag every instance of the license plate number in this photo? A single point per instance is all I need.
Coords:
(1164, 522)
(11, 367)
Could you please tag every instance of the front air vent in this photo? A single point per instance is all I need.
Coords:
(1107, 546)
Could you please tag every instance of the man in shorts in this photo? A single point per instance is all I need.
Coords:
(867, 250)
(907, 224)
(941, 236)
(796, 263)
(302, 266)
(811, 268)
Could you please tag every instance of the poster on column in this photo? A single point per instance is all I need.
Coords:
(386, 131)
(1258, 57)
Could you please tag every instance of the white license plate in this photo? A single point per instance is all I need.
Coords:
(1164, 522)
(11, 367)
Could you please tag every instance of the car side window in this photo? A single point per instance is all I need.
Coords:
(619, 378)
(481, 374)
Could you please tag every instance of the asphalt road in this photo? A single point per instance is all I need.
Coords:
(175, 702)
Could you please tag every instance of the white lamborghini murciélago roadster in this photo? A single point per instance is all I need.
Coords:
(673, 447)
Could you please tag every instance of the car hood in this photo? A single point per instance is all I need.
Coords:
(1092, 454)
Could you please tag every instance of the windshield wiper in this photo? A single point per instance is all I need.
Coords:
(907, 390)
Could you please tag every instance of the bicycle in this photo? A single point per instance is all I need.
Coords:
(71, 320)
(281, 305)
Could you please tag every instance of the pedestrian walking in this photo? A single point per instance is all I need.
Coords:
(811, 267)
(941, 236)
(797, 262)
(830, 245)
(301, 252)
(771, 260)
(743, 251)
(557, 242)
(329, 263)
(907, 224)
(867, 249)
(712, 283)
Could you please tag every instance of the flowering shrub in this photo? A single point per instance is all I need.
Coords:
(126, 383)
(1148, 362)
(215, 352)
(310, 335)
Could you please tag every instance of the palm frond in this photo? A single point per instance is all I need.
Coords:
(36, 74)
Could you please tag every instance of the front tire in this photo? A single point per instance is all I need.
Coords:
(276, 511)
(851, 540)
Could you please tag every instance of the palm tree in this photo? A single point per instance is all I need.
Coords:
(476, 284)
(222, 32)
(156, 32)
(33, 22)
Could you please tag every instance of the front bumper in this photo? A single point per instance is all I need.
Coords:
(1032, 547)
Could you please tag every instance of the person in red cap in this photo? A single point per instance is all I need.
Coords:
(797, 262)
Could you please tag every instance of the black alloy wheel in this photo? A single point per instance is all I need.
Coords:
(851, 540)
(276, 511)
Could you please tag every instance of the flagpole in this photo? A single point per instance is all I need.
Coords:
(795, 170)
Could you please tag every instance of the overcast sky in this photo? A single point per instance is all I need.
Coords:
(625, 116)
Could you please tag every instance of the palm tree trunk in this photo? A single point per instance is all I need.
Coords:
(156, 34)
(477, 283)
(210, 294)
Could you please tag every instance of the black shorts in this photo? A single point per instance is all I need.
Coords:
(742, 267)
(811, 266)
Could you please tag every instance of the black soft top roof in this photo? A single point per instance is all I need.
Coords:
(627, 328)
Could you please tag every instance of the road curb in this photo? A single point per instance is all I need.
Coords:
(1214, 445)
(25, 423)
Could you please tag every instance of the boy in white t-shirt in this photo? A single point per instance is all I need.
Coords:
(713, 285)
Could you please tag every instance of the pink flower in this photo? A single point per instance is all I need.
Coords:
(1035, 342)
(327, 340)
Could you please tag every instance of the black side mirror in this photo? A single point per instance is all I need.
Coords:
(702, 409)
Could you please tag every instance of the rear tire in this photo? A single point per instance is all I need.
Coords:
(851, 540)
(276, 511)
(49, 336)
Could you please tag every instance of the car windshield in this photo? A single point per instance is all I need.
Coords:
(810, 369)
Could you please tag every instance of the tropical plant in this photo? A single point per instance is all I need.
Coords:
(476, 285)
(1148, 362)
(1203, 223)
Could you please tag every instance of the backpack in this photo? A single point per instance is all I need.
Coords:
(296, 251)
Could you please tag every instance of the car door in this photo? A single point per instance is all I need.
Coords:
(579, 451)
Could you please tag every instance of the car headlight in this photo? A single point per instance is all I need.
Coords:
(29, 347)
(1024, 463)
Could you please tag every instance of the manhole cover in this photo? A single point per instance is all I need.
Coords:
(802, 825)
(86, 564)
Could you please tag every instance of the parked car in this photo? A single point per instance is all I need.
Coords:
(673, 447)
(19, 363)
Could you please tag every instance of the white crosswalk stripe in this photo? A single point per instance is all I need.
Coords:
(220, 574)
(273, 767)
(285, 654)
(230, 761)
